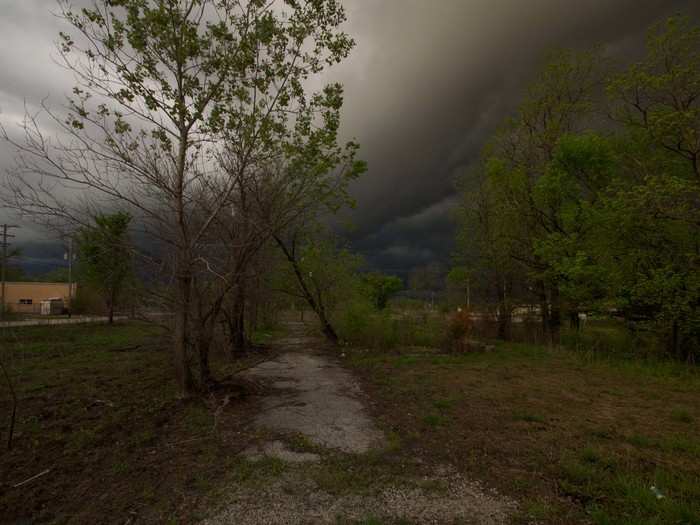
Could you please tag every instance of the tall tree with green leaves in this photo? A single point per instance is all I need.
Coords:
(164, 90)
(382, 288)
(105, 257)
(653, 216)
(506, 213)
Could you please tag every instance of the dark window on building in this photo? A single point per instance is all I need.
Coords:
(25, 301)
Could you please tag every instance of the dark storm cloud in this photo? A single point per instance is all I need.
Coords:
(427, 83)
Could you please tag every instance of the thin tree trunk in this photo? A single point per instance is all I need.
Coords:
(203, 346)
(183, 374)
(315, 305)
(544, 309)
(328, 329)
(676, 346)
(110, 310)
(574, 320)
(239, 336)
(504, 317)
(555, 315)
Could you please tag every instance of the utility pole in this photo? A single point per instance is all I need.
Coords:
(70, 277)
(3, 265)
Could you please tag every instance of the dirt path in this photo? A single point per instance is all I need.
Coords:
(321, 458)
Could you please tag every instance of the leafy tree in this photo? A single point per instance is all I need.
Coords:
(176, 104)
(105, 257)
(57, 275)
(322, 274)
(15, 273)
(382, 287)
(506, 215)
(599, 220)
(653, 216)
(459, 278)
(580, 172)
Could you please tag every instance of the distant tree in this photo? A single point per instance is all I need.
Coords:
(58, 275)
(15, 273)
(459, 278)
(320, 273)
(382, 287)
(105, 256)
(426, 278)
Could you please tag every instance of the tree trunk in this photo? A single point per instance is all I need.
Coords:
(327, 328)
(555, 315)
(203, 346)
(544, 308)
(183, 374)
(316, 305)
(504, 315)
(574, 320)
(676, 346)
(110, 310)
(237, 333)
(234, 316)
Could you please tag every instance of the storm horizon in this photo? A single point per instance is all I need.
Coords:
(425, 86)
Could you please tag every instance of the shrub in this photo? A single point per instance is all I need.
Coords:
(458, 329)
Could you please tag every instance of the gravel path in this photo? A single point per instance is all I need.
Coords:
(317, 398)
(312, 395)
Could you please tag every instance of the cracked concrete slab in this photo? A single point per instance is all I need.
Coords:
(314, 396)
(317, 398)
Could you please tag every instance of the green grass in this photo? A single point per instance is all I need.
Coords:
(681, 415)
(611, 494)
(257, 473)
(594, 428)
(265, 335)
(434, 420)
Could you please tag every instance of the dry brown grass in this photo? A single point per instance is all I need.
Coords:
(97, 407)
(573, 440)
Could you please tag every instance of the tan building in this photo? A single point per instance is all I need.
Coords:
(26, 297)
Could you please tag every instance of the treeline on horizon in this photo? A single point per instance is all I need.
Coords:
(587, 199)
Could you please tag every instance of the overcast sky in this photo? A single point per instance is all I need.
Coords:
(427, 83)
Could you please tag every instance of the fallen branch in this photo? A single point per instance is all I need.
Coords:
(32, 478)
(125, 349)
(98, 402)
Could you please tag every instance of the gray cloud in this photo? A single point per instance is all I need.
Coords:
(427, 83)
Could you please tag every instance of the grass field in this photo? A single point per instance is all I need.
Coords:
(575, 439)
(97, 409)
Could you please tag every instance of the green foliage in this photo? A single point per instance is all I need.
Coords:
(58, 275)
(593, 221)
(382, 287)
(361, 324)
(12, 272)
(15, 273)
(105, 255)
